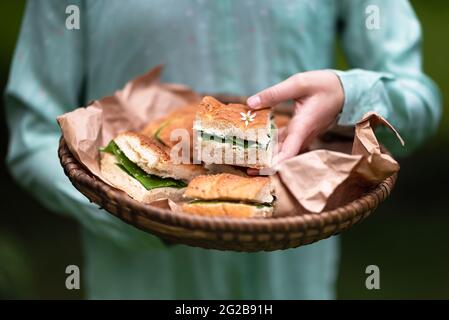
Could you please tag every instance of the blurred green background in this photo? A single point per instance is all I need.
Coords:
(407, 237)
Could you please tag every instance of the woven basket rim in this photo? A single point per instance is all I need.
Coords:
(79, 175)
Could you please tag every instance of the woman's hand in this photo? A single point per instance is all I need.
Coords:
(318, 97)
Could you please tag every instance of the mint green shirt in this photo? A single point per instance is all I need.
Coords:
(237, 47)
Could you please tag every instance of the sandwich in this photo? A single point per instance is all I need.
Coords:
(162, 128)
(141, 167)
(229, 195)
(233, 134)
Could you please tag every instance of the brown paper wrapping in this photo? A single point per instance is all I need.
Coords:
(310, 182)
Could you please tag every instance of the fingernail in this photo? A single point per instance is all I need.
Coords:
(254, 102)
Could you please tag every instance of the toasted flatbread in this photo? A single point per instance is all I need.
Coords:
(153, 159)
(227, 209)
(226, 186)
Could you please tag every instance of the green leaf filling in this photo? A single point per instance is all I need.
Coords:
(272, 127)
(109, 148)
(234, 141)
(149, 181)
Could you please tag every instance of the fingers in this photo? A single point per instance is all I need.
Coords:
(297, 133)
(290, 148)
(283, 151)
(281, 134)
(293, 88)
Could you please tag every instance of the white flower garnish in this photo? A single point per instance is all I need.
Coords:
(247, 117)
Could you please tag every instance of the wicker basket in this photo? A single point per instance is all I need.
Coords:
(222, 233)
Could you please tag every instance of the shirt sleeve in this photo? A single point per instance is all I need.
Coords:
(46, 80)
(385, 75)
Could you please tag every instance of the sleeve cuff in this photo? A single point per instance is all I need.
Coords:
(364, 92)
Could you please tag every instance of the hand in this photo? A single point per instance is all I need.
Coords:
(318, 98)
